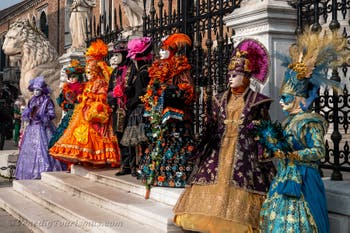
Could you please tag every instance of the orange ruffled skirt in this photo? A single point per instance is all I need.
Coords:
(87, 142)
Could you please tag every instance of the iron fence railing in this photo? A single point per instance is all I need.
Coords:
(212, 47)
(335, 107)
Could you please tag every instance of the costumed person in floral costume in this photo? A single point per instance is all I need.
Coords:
(232, 178)
(89, 137)
(33, 156)
(296, 201)
(170, 93)
(134, 137)
(69, 96)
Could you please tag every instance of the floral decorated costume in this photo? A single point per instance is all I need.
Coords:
(33, 156)
(68, 97)
(232, 177)
(89, 137)
(166, 162)
(296, 201)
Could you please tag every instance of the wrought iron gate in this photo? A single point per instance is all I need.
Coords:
(202, 20)
(210, 53)
(334, 107)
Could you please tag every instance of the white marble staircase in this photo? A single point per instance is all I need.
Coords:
(90, 201)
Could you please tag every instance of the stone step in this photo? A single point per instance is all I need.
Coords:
(119, 201)
(8, 158)
(34, 216)
(128, 183)
(87, 216)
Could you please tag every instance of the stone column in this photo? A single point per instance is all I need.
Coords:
(272, 22)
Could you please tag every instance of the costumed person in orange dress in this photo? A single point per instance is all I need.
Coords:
(169, 95)
(89, 137)
(233, 176)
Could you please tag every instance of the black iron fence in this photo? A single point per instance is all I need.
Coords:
(202, 20)
(335, 107)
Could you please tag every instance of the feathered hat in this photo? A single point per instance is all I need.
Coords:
(97, 50)
(38, 83)
(121, 45)
(75, 67)
(140, 48)
(251, 58)
(312, 53)
(175, 42)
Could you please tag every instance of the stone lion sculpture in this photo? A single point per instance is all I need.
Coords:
(38, 57)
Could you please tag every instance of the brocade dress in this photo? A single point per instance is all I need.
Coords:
(216, 201)
(33, 156)
(296, 201)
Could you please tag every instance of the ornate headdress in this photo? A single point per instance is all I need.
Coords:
(140, 48)
(97, 50)
(75, 67)
(251, 58)
(175, 42)
(312, 53)
(38, 83)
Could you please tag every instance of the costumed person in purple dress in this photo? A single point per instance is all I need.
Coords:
(134, 137)
(232, 178)
(33, 156)
(168, 101)
(296, 201)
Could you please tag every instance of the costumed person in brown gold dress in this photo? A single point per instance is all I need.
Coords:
(89, 137)
(169, 95)
(230, 183)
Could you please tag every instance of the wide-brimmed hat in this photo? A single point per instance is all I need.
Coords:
(75, 67)
(38, 83)
(139, 47)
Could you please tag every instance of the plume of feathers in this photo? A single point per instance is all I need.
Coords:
(319, 50)
(271, 137)
(176, 41)
(97, 50)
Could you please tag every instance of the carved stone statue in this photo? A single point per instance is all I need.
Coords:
(38, 58)
(134, 11)
(80, 11)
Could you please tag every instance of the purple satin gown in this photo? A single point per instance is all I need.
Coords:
(33, 156)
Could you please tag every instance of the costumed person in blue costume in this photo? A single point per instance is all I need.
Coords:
(296, 200)
(33, 156)
(168, 99)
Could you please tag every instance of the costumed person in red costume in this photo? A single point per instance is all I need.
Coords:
(233, 175)
(68, 97)
(170, 93)
(89, 137)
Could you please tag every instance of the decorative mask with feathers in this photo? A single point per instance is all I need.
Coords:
(309, 57)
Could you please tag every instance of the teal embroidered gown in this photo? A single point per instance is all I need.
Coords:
(296, 201)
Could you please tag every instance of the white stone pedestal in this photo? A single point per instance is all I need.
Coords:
(272, 22)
